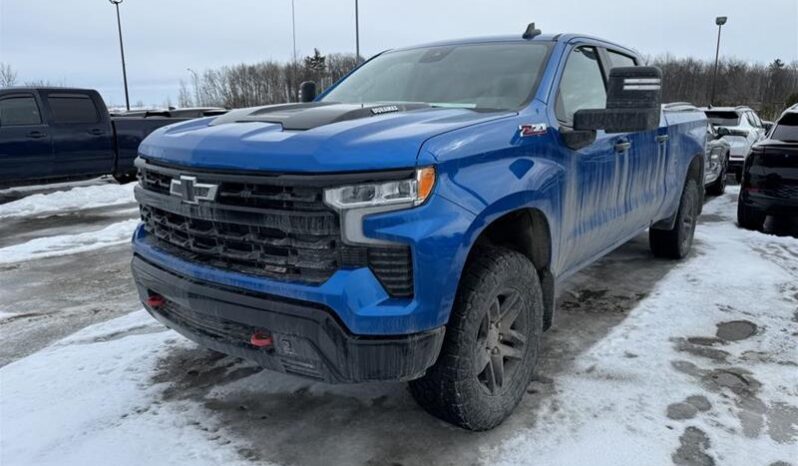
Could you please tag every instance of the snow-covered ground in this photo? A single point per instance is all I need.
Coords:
(650, 362)
(116, 233)
(59, 202)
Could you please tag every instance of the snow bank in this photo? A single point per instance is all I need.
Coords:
(116, 233)
(86, 197)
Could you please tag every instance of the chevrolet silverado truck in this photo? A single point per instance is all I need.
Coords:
(412, 222)
(62, 134)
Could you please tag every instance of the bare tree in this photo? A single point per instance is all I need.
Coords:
(183, 96)
(8, 77)
(765, 88)
(267, 82)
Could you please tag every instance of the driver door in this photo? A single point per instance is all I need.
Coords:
(593, 210)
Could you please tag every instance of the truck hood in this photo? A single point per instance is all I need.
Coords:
(314, 137)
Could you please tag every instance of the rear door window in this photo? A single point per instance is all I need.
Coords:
(19, 110)
(753, 120)
(73, 108)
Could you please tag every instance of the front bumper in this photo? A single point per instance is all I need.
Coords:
(308, 340)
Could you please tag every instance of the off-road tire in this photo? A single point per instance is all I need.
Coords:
(749, 217)
(676, 242)
(718, 187)
(454, 389)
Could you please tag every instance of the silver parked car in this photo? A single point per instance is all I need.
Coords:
(741, 127)
(716, 161)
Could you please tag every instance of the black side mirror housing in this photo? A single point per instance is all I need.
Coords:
(307, 91)
(768, 125)
(577, 139)
(633, 102)
(723, 131)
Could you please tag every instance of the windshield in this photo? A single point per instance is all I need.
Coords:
(497, 76)
(786, 129)
(724, 118)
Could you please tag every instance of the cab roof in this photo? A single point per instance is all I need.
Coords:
(563, 37)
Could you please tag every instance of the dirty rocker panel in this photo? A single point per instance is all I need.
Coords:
(307, 339)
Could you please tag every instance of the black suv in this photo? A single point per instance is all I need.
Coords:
(770, 175)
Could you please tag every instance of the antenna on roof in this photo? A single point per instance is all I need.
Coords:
(531, 31)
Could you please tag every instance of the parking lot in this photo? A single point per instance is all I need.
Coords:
(649, 361)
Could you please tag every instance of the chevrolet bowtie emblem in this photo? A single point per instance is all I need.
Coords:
(187, 188)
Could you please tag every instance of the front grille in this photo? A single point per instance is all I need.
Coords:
(262, 226)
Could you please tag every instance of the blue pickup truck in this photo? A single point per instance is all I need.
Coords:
(50, 134)
(412, 222)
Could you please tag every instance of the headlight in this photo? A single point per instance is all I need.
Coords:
(356, 201)
(401, 193)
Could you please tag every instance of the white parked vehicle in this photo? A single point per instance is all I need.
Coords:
(741, 127)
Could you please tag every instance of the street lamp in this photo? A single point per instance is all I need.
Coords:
(293, 28)
(357, 33)
(122, 51)
(720, 21)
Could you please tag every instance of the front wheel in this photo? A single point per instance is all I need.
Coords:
(491, 345)
(718, 187)
(676, 242)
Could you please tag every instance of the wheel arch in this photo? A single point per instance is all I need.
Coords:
(526, 230)
(695, 170)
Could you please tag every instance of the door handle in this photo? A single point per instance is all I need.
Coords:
(37, 135)
(662, 138)
(622, 146)
(96, 132)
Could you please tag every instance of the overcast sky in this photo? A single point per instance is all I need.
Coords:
(74, 42)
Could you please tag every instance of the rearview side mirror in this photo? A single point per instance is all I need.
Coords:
(723, 131)
(633, 102)
(768, 125)
(307, 91)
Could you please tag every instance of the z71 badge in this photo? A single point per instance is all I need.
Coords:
(533, 129)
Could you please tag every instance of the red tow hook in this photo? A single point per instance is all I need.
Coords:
(261, 340)
(155, 301)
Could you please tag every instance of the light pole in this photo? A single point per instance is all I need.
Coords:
(720, 21)
(357, 33)
(122, 51)
(293, 27)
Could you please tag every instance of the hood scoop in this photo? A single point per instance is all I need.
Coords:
(301, 117)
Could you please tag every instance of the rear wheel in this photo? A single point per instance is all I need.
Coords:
(676, 242)
(749, 217)
(718, 186)
(491, 345)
